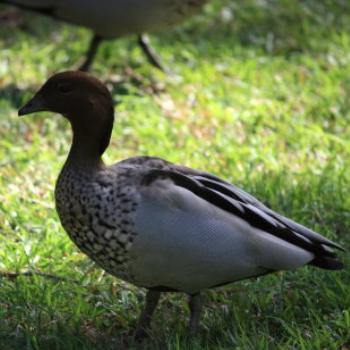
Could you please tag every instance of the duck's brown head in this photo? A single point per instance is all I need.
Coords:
(69, 93)
(83, 100)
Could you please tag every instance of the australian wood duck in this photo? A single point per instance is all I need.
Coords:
(158, 225)
(109, 19)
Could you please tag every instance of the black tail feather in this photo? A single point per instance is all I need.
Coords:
(327, 263)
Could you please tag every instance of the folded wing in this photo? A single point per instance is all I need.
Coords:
(199, 232)
(243, 205)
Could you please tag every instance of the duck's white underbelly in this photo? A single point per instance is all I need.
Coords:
(185, 243)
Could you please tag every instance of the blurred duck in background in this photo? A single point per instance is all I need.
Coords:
(110, 19)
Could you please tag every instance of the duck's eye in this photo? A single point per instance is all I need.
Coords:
(65, 88)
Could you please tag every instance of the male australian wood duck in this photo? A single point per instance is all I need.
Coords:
(110, 19)
(158, 225)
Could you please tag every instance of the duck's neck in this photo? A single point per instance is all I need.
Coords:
(89, 142)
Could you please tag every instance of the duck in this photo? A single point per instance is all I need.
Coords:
(158, 225)
(110, 19)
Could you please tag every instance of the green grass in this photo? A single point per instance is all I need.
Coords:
(261, 99)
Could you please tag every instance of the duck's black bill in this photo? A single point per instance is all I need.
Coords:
(36, 104)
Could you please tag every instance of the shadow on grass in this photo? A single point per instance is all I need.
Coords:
(63, 340)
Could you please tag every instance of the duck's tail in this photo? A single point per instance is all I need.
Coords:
(326, 262)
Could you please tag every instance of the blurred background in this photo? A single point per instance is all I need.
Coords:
(258, 93)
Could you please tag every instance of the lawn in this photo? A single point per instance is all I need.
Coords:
(258, 94)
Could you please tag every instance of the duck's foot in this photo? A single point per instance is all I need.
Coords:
(195, 306)
(152, 299)
(91, 52)
(151, 55)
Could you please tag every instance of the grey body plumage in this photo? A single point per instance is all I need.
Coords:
(115, 18)
(156, 233)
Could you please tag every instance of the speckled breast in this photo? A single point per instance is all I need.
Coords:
(97, 212)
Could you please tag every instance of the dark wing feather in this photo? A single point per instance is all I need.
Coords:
(240, 195)
(239, 203)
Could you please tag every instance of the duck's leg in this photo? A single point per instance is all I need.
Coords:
(195, 305)
(149, 52)
(144, 322)
(91, 52)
